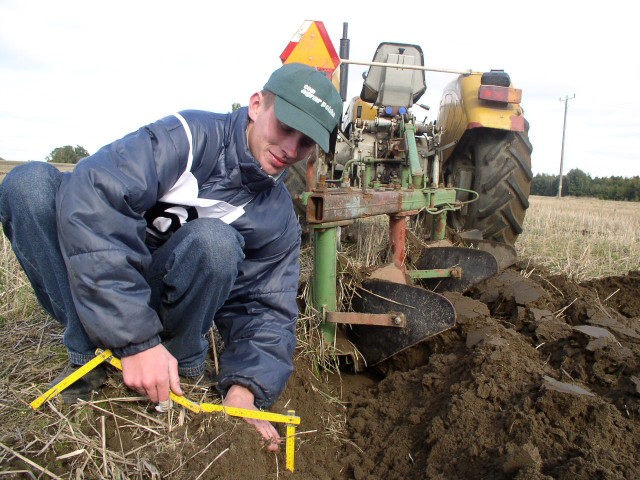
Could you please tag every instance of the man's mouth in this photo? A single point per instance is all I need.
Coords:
(279, 162)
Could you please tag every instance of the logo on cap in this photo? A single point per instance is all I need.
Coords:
(309, 92)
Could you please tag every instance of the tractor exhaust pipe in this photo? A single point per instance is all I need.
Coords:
(344, 68)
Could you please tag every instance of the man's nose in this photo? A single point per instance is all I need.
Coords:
(291, 145)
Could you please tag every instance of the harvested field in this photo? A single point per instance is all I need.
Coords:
(7, 165)
(540, 378)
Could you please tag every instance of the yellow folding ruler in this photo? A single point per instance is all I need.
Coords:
(65, 382)
(290, 442)
(291, 420)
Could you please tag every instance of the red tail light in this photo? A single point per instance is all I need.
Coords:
(500, 94)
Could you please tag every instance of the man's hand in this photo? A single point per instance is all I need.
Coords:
(241, 397)
(153, 373)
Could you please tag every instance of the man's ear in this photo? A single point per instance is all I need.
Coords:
(254, 105)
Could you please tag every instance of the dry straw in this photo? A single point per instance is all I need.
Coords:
(582, 238)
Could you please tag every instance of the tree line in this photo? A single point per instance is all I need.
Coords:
(577, 183)
(67, 154)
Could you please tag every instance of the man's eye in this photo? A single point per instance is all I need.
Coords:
(306, 142)
(285, 128)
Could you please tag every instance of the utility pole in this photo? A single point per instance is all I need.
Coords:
(564, 128)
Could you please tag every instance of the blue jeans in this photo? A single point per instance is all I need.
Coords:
(190, 276)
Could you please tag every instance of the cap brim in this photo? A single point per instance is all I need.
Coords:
(301, 121)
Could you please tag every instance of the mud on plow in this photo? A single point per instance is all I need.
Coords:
(432, 176)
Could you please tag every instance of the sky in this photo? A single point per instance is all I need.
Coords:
(87, 73)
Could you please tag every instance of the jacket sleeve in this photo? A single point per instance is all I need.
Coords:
(258, 321)
(101, 228)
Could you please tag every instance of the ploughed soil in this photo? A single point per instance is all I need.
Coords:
(540, 378)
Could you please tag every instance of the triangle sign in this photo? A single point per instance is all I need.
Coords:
(312, 46)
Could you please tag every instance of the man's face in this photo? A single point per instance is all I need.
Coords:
(275, 145)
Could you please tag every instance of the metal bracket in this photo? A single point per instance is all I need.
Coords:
(453, 272)
(391, 319)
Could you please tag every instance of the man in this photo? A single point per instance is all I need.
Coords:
(185, 221)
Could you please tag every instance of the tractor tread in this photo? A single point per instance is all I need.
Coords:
(501, 164)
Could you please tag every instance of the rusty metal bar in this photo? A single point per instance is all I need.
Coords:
(349, 204)
(398, 239)
(391, 319)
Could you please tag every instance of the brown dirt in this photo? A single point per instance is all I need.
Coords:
(487, 402)
(539, 379)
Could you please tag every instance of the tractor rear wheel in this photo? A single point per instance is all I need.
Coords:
(497, 165)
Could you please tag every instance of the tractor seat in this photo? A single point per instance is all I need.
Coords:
(395, 87)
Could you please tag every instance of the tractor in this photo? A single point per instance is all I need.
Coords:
(465, 178)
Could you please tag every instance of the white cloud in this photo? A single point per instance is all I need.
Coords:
(77, 72)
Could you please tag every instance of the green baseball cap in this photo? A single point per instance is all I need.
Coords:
(306, 100)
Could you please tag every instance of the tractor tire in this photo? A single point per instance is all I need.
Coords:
(497, 165)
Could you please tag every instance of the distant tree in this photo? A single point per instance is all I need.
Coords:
(67, 154)
(633, 190)
(235, 106)
(577, 183)
(580, 184)
(545, 185)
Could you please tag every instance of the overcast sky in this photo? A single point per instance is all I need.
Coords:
(86, 73)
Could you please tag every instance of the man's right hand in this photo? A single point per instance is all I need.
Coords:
(241, 397)
(153, 373)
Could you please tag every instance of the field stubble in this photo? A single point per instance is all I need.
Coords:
(578, 238)
(581, 238)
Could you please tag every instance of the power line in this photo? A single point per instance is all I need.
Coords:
(564, 128)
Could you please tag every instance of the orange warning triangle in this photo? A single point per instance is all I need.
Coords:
(312, 46)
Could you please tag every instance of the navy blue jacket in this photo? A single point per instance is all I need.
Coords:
(102, 230)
